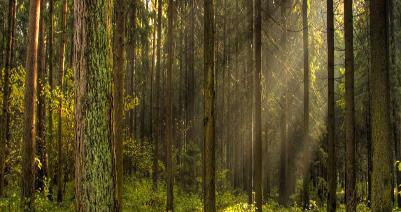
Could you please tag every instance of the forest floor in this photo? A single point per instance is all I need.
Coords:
(139, 196)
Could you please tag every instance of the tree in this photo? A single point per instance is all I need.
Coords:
(380, 105)
(306, 143)
(118, 98)
(169, 105)
(5, 119)
(350, 194)
(283, 187)
(249, 82)
(93, 106)
(209, 163)
(157, 95)
(31, 68)
(60, 158)
(41, 111)
(331, 168)
(257, 130)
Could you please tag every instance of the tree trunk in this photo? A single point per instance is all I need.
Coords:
(350, 193)
(157, 138)
(306, 141)
(249, 75)
(31, 67)
(169, 105)
(257, 130)
(283, 187)
(51, 83)
(60, 164)
(5, 119)
(118, 99)
(41, 111)
(209, 163)
(93, 106)
(331, 168)
(380, 105)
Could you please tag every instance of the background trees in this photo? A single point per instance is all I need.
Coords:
(282, 122)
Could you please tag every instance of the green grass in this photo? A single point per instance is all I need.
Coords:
(139, 196)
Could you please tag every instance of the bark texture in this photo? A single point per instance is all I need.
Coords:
(380, 108)
(5, 118)
(31, 68)
(331, 170)
(118, 98)
(93, 89)
(169, 105)
(209, 163)
(350, 193)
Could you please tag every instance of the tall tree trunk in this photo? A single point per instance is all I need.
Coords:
(249, 75)
(118, 98)
(395, 104)
(60, 164)
(209, 163)
(41, 111)
(380, 105)
(31, 67)
(350, 193)
(306, 141)
(191, 67)
(157, 96)
(5, 119)
(331, 168)
(93, 106)
(51, 83)
(169, 105)
(257, 130)
(283, 186)
(131, 54)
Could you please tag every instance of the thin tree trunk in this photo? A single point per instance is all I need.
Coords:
(350, 193)
(51, 83)
(93, 106)
(257, 130)
(306, 143)
(209, 163)
(332, 171)
(118, 99)
(5, 119)
(157, 96)
(31, 67)
(380, 105)
(169, 105)
(249, 75)
(283, 187)
(60, 157)
(41, 111)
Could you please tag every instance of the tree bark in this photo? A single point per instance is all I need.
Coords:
(5, 119)
(283, 186)
(157, 96)
(209, 163)
(31, 67)
(41, 111)
(331, 168)
(118, 98)
(169, 105)
(250, 85)
(93, 105)
(257, 130)
(60, 164)
(350, 193)
(51, 83)
(380, 106)
(306, 137)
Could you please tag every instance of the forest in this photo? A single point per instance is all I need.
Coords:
(200, 105)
